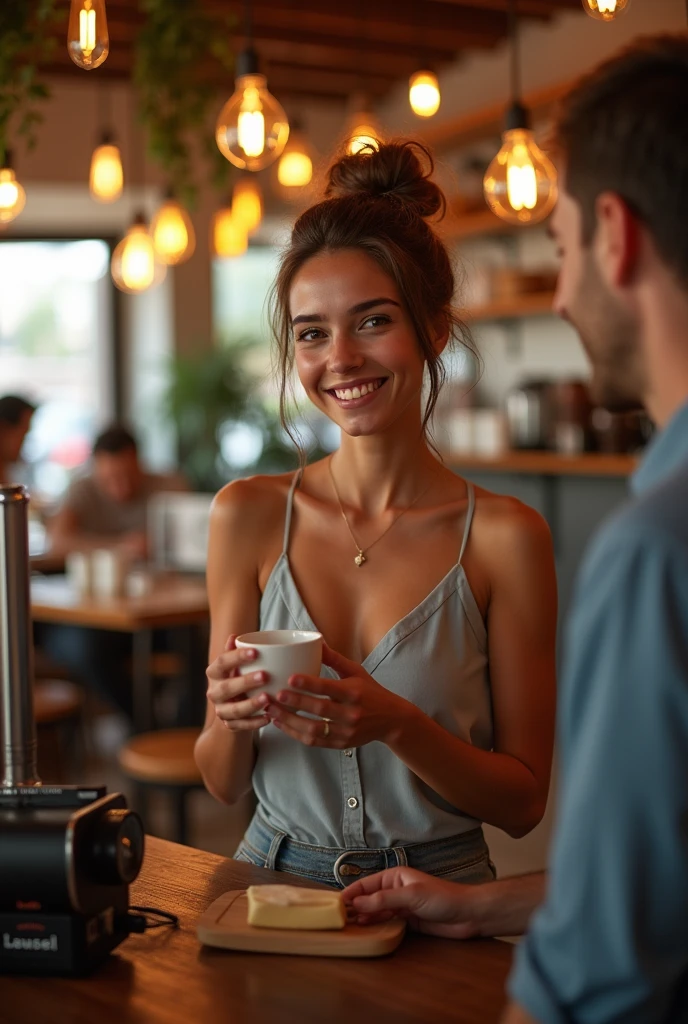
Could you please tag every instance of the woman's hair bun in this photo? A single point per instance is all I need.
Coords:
(400, 169)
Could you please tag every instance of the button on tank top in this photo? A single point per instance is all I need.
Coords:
(435, 657)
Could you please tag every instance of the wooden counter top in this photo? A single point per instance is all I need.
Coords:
(167, 977)
(546, 463)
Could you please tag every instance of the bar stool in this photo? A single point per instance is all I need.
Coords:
(163, 761)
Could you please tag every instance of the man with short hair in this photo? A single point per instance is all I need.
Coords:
(610, 941)
(15, 423)
(108, 507)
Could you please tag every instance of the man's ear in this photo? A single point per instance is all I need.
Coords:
(617, 239)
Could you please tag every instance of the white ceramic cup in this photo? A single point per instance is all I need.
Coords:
(78, 566)
(109, 572)
(281, 653)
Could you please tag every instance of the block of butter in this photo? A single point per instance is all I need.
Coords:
(288, 906)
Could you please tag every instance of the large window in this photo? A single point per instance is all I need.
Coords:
(56, 348)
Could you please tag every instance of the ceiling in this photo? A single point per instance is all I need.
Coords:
(331, 49)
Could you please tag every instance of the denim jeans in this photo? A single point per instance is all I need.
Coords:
(460, 858)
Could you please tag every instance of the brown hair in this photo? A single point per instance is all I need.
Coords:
(624, 129)
(377, 201)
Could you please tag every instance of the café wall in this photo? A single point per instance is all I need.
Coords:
(552, 52)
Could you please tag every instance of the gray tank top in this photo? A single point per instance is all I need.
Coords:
(435, 657)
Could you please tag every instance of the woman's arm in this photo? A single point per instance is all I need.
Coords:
(226, 758)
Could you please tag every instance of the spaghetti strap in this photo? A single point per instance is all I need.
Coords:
(469, 518)
(290, 505)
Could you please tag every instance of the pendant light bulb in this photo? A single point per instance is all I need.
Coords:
(106, 178)
(520, 184)
(252, 129)
(173, 235)
(247, 203)
(229, 236)
(605, 10)
(424, 93)
(12, 195)
(88, 42)
(295, 166)
(295, 169)
(134, 265)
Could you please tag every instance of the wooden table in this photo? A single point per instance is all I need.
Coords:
(166, 977)
(173, 601)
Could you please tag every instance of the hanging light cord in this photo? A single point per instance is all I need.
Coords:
(248, 19)
(515, 54)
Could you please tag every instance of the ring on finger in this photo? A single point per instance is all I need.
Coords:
(326, 732)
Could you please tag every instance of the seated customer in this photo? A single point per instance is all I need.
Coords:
(15, 422)
(108, 507)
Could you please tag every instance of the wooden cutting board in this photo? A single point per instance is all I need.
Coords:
(224, 924)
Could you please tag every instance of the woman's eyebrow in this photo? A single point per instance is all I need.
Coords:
(361, 307)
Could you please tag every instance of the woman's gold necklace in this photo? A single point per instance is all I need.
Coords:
(361, 557)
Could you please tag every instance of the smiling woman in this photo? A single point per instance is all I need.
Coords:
(436, 600)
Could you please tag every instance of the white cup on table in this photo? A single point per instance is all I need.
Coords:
(282, 653)
(78, 566)
(109, 569)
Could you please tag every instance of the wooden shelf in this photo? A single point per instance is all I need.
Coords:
(533, 304)
(547, 463)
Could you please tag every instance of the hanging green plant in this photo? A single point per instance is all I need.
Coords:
(25, 44)
(175, 94)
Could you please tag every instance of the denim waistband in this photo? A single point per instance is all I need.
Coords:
(463, 857)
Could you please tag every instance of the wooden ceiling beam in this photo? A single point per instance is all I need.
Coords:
(525, 8)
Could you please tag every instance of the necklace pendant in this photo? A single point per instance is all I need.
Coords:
(360, 559)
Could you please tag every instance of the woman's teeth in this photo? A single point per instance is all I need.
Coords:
(346, 394)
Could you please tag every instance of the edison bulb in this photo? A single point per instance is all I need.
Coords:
(247, 203)
(134, 266)
(520, 184)
(88, 42)
(173, 234)
(106, 177)
(605, 10)
(424, 93)
(12, 195)
(252, 129)
(229, 236)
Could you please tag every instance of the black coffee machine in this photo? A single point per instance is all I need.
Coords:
(67, 853)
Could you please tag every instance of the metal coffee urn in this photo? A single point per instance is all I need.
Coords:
(67, 853)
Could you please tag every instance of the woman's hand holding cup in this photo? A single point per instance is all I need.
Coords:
(234, 688)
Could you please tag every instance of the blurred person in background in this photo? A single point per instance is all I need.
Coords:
(15, 422)
(108, 506)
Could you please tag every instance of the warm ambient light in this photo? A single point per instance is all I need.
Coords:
(88, 42)
(521, 182)
(252, 129)
(363, 136)
(424, 93)
(247, 203)
(106, 178)
(172, 232)
(605, 10)
(229, 235)
(134, 266)
(295, 169)
(12, 195)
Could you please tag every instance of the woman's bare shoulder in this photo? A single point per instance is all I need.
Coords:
(252, 502)
(503, 521)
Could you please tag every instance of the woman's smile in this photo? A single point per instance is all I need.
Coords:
(354, 394)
